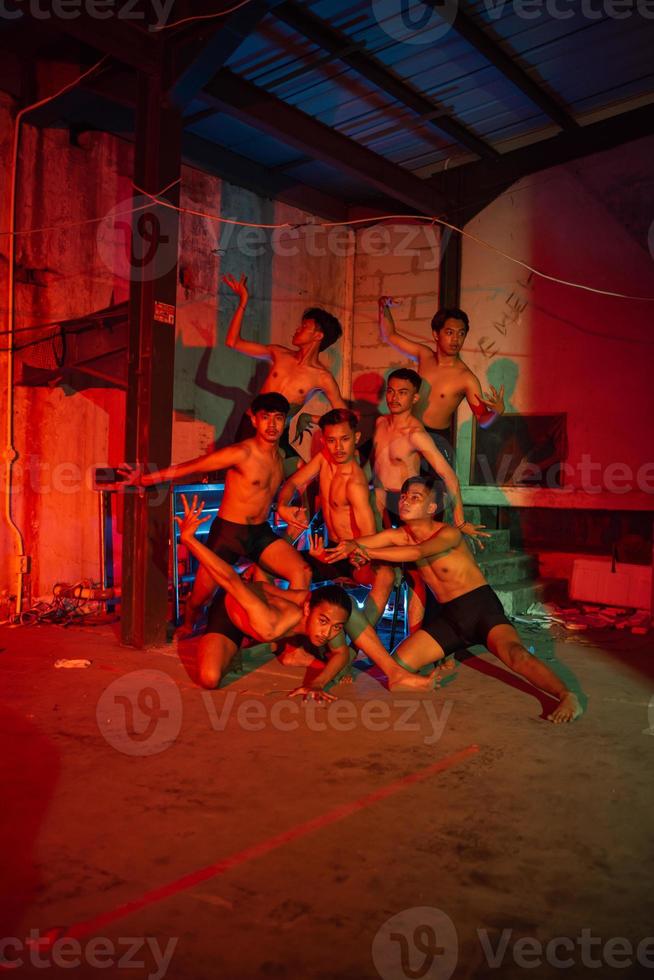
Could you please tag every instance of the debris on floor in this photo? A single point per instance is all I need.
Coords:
(577, 617)
(71, 664)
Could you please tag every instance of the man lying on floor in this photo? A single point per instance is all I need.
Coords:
(266, 613)
(470, 611)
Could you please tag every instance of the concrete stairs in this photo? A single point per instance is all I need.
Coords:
(512, 574)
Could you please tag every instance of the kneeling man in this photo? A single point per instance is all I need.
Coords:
(470, 612)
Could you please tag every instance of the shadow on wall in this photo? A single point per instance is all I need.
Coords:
(240, 398)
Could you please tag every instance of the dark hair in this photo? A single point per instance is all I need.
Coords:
(338, 416)
(334, 595)
(328, 325)
(406, 374)
(271, 401)
(449, 313)
(427, 482)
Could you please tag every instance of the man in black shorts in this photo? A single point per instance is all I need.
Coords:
(470, 611)
(266, 614)
(241, 529)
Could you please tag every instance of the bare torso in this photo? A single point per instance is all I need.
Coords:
(396, 458)
(285, 614)
(448, 575)
(334, 482)
(443, 389)
(250, 486)
(294, 380)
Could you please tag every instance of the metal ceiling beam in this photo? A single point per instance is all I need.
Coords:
(284, 122)
(196, 62)
(274, 184)
(131, 45)
(339, 45)
(474, 35)
(481, 182)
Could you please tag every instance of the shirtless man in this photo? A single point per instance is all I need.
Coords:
(446, 378)
(296, 374)
(266, 614)
(470, 611)
(345, 502)
(400, 443)
(254, 475)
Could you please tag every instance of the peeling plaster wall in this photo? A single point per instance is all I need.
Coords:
(61, 435)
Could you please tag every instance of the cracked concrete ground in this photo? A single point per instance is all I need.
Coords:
(251, 836)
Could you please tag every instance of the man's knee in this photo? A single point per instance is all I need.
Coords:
(515, 655)
(209, 676)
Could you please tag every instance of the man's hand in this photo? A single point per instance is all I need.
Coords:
(317, 547)
(493, 400)
(297, 518)
(240, 287)
(132, 476)
(191, 521)
(347, 549)
(474, 531)
(312, 693)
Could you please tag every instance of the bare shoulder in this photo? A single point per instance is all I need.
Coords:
(357, 479)
(278, 351)
(447, 537)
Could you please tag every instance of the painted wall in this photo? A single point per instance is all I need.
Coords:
(560, 349)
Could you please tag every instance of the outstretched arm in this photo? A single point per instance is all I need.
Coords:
(485, 407)
(421, 441)
(233, 338)
(445, 541)
(389, 334)
(220, 460)
(296, 483)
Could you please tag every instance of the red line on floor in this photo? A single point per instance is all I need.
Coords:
(263, 847)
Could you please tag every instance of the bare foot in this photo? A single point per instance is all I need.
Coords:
(411, 682)
(568, 710)
(448, 664)
(296, 658)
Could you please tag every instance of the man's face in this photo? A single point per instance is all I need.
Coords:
(324, 622)
(416, 504)
(451, 336)
(269, 425)
(401, 396)
(306, 333)
(340, 442)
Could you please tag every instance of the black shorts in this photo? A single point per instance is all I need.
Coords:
(232, 542)
(323, 571)
(218, 620)
(466, 621)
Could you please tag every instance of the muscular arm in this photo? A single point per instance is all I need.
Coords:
(299, 480)
(220, 460)
(422, 442)
(332, 391)
(389, 334)
(236, 342)
(448, 538)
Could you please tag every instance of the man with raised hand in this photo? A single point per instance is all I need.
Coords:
(241, 529)
(447, 380)
(469, 612)
(345, 503)
(266, 614)
(296, 374)
(400, 444)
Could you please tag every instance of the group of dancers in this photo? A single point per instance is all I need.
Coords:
(371, 533)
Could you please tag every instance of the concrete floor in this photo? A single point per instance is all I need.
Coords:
(138, 806)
